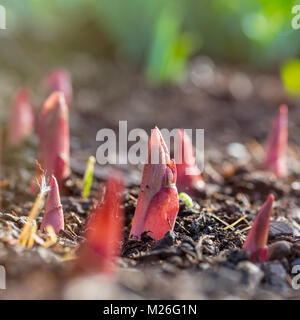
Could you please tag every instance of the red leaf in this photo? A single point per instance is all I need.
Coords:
(157, 191)
(53, 213)
(21, 122)
(257, 238)
(188, 174)
(277, 144)
(104, 229)
(54, 137)
(60, 80)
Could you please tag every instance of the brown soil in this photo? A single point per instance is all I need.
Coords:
(202, 258)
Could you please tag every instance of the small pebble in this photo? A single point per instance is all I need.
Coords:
(176, 260)
(237, 256)
(280, 228)
(279, 250)
(275, 275)
(169, 268)
(294, 213)
(232, 208)
(295, 186)
(187, 245)
(253, 273)
(237, 150)
(167, 241)
(274, 268)
(296, 262)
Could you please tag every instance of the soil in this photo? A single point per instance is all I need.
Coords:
(202, 258)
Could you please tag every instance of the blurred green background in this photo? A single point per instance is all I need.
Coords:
(159, 36)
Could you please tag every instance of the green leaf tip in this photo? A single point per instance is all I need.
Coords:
(184, 196)
(88, 177)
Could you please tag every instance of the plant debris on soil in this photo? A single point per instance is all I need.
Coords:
(202, 258)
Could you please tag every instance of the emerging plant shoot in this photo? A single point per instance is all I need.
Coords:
(53, 213)
(277, 144)
(21, 121)
(60, 80)
(158, 201)
(188, 174)
(256, 242)
(54, 138)
(104, 229)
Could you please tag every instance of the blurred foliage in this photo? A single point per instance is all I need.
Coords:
(290, 74)
(162, 34)
(170, 48)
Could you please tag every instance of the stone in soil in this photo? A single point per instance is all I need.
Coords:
(280, 228)
(167, 241)
(274, 276)
(252, 275)
(279, 250)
